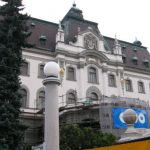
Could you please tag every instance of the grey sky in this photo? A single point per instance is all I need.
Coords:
(125, 18)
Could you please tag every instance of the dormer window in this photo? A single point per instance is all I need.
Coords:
(123, 47)
(146, 63)
(124, 58)
(135, 60)
(42, 39)
(135, 49)
(32, 24)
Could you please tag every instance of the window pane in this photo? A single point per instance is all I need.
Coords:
(112, 80)
(141, 87)
(71, 73)
(41, 100)
(24, 68)
(92, 75)
(71, 98)
(41, 71)
(23, 93)
(93, 96)
(128, 85)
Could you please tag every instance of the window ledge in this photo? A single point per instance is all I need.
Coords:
(142, 92)
(114, 86)
(71, 80)
(25, 75)
(93, 82)
(128, 91)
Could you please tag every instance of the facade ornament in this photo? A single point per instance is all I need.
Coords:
(117, 47)
(90, 42)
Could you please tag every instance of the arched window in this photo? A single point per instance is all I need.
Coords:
(111, 80)
(92, 75)
(41, 99)
(128, 84)
(93, 96)
(71, 98)
(23, 93)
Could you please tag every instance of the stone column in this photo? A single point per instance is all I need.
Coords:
(51, 82)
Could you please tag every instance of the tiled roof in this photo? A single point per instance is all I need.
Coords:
(43, 30)
(73, 23)
(131, 51)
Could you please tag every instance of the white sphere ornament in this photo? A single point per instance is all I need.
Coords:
(51, 69)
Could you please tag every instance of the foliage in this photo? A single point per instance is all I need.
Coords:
(72, 137)
(13, 37)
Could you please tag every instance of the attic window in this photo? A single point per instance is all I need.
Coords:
(135, 60)
(124, 58)
(124, 47)
(32, 24)
(135, 50)
(146, 63)
(42, 39)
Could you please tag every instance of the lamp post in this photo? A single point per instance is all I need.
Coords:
(51, 130)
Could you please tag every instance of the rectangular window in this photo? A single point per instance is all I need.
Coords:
(71, 74)
(92, 75)
(128, 85)
(41, 71)
(112, 81)
(24, 69)
(141, 87)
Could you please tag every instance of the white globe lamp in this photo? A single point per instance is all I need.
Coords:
(51, 69)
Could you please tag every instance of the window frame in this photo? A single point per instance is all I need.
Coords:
(93, 99)
(130, 89)
(25, 73)
(39, 102)
(92, 77)
(28, 93)
(41, 75)
(141, 87)
(111, 83)
(24, 101)
(71, 77)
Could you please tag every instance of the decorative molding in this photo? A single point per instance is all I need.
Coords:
(80, 65)
(90, 42)
(93, 89)
(131, 75)
(137, 70)
(40, 51)
(104, 69)
(38, 58)
(94, 53)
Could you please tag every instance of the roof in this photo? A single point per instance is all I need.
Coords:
(43, 30)
(74, 23)
(132, 52)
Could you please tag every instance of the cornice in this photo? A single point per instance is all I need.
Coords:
(132, 69)
(39, 51)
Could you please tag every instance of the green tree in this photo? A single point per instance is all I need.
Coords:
(13, 37)
(72, 137)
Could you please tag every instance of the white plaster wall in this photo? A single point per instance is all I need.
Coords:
(32, 82)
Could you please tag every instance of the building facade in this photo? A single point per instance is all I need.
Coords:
(100, 73)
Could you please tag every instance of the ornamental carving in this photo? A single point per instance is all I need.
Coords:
(90, 42)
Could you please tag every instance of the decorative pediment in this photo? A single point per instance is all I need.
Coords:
(94, 54)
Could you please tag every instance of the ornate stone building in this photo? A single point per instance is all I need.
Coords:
(100, 73)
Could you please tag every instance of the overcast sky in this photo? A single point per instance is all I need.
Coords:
(125, 18)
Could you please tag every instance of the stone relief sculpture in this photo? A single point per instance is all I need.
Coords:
(90, 42)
